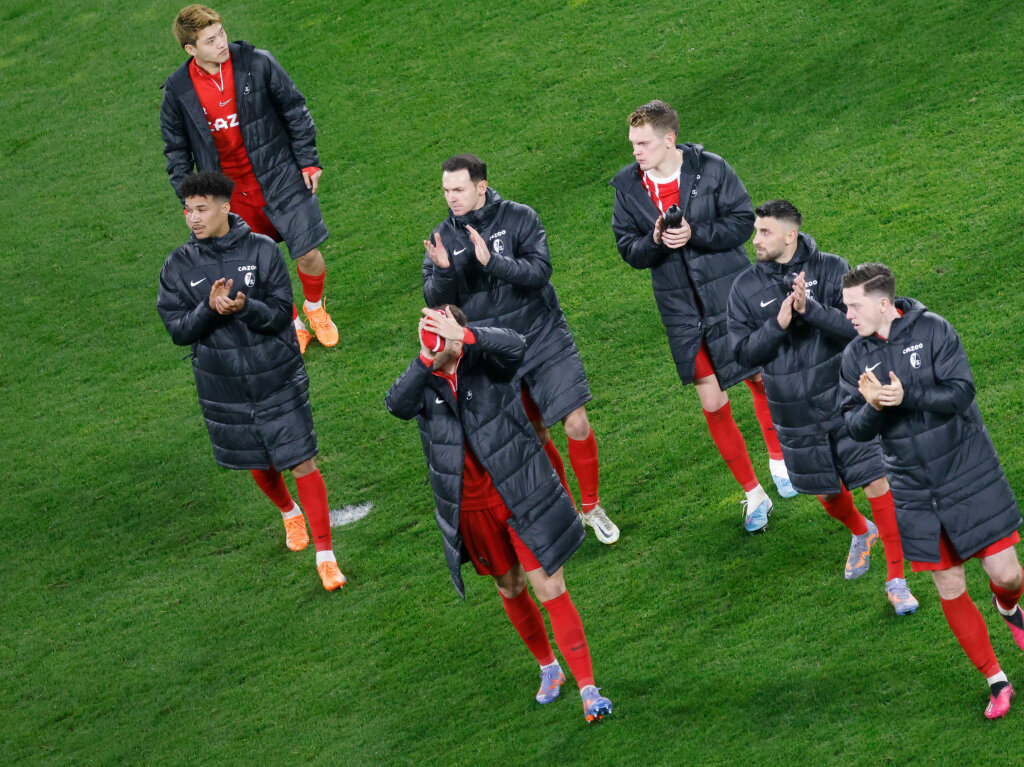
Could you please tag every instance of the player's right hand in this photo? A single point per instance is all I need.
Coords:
(437, 253)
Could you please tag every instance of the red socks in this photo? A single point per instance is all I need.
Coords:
(572, 642)
(764, 417)
(970, 631)
(312, 287)
(271, 482)
(841, 507)
(730, 444)
(1007, 598)
(556, 460)
(526, 617)
(313, 497)
(583, 457)
(883, 510)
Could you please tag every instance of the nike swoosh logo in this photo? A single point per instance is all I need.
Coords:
(765, 303)
(868, 370)
(193, 284)
(438, 401)
(459, 251)
(225, 103)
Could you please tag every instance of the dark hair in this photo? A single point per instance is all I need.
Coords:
(208, 183)
(783, 210)
(659, 115)
(477, 168)
(454, 312)
(876, 278)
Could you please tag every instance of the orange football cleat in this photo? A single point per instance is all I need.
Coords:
(295, 534)
(330, 575)
(325, 329)
(304, 336)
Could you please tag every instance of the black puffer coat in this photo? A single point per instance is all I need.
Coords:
(514, 290)
(942, 467)
(250, 378)
(489, 415)
(691, 284)
(279, 137)
(800, 364)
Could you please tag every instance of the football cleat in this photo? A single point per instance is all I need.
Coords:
(604, 529)
(902, 601)
(784, 486)
(999, 705)
(330, 575)
(304, 337)
(551, 681)
(324, 328)
(859, 559)
(595, 705)
(1015, 622)
(756, 521)
(295, 534)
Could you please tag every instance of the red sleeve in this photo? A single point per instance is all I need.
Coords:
(469, 338)
(311, 169)
(426, 360)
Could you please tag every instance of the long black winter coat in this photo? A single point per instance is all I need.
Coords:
(800, 364)
(942, 467)
(279, 136)
(250, 378)
(514, 290)
(489, 415)
(691, 284)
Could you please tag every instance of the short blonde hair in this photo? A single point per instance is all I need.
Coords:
(659, 115)
(192, 20)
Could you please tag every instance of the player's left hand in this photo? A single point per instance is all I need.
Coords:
(483, 254)
(678, 237)
(891, 394)
(869, 387)
(446, 327)
(312, 178)
(227, 305)
(800, 293)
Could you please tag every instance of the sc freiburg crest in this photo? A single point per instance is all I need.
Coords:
(915, 360)
(250, 279)
(498, 247)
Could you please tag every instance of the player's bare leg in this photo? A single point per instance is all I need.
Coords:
(312, 269)
(969, 628)
(1006, 579)
(732, 448)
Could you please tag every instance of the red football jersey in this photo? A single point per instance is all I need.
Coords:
(664, 192)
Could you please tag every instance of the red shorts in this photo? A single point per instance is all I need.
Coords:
(492, 545)
(253, 215)
(703, 368)
(532, 411)
(949, 558)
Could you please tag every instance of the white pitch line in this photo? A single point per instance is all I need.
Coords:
(349, 514)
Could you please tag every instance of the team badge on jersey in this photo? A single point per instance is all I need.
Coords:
(498, 247)
(250, 279)
(915, 360)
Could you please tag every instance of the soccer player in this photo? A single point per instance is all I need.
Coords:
(232, 108)
(692, 268)
(786, 314)
(497, 498)
(907, 379)
(490, 257)
(250, 378)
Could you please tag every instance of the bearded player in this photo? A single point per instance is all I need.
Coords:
(232, 108)
(786, 314)
(907, 379)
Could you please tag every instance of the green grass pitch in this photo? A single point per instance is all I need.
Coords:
(149, 611)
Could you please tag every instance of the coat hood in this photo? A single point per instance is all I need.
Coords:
(478, 219)
(692, 159)
(237, 232)
(806, 249)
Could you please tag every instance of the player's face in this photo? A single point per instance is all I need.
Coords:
(211, 48)
(461, 194)
(771, 238)
(863, 311)
(207, 217)
(650, 148)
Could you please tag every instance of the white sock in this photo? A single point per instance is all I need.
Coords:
(756, 496)
(298, 324)
(552, 664)
(312, 307)
(295, 512)
(1000, 677)
(1007, 613)
(778, 468)
(325, 556)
